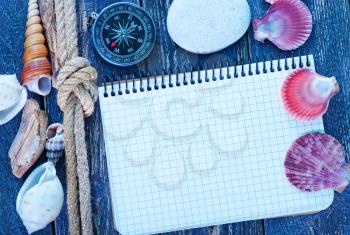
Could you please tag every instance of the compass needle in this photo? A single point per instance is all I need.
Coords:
(126, 26)
(119, 41)
(131, 30)
(120, 27)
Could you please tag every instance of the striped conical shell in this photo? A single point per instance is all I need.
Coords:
(36, 73)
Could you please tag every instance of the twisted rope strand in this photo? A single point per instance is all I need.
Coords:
(83, 173)
(77, 93)
(60, 26)
(72, 176)
(70, 21)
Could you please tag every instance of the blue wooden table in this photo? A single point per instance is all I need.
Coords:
(329, 42)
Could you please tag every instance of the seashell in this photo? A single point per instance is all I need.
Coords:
(34, 39)
(33, 20)
(34, 28)
(306, 94)
(55, 142)
(12, 97)
(34, 51)
(29, 142)
(287, 24)
(316, 161)
(40, 199)
(36, 73)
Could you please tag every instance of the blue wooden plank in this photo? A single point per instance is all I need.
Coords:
(13, 16)
(246, 228)
(330, 44)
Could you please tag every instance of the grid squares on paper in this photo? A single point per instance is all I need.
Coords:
(203, 154)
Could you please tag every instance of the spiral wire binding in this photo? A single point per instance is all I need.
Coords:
(137, 81)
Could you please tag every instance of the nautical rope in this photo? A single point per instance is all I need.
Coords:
(77, 93)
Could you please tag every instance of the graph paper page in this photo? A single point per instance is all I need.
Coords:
(203, 154)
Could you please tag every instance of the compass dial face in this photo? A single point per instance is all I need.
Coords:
(124, 34)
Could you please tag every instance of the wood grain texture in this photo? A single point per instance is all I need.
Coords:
(13, 21)
(166, 56)
(329, 42)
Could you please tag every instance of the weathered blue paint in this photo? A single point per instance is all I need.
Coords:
(329, 43)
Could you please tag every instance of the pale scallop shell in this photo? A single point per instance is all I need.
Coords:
(12, 97)
(40, 199)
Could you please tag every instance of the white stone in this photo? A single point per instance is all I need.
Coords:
(207, 26)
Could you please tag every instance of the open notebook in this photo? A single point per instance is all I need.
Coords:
(206, 153)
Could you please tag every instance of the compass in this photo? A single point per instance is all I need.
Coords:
(123, 34)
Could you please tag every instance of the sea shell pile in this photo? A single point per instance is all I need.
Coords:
(306, 94)
(12, 97)
(29, 142)
(287, 24)
(316, 161)
(40, 199)
(36, 74)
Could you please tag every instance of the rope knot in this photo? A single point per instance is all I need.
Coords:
(76, 80)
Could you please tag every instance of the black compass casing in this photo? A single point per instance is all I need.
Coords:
(123, 34)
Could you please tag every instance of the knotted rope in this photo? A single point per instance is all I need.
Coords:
(77, 93)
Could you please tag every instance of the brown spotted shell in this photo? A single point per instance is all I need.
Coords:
(36, 73)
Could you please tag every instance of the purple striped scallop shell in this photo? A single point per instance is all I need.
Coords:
(316, 161)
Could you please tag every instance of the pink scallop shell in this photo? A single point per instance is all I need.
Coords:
(287, 24)
(271, 1)
(316, 161)
(306, 94)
